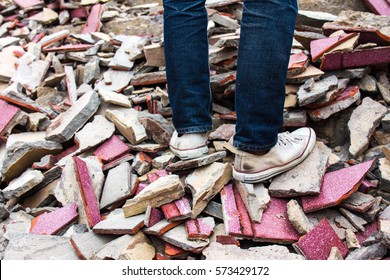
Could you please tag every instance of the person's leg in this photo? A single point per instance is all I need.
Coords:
(267, 30)
(187, 64)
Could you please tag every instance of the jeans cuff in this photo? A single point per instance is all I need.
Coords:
(194, 129)
(252, 148)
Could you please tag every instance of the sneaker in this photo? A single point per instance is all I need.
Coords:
(189, 146)
(290, 150)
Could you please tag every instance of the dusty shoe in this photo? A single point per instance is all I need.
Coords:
(290, 150)
(188, 146)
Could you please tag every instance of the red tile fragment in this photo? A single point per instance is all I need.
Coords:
(230, 211)
(155, 175)
(67, 152)
(297, 63)
(68, 48)
(111, 149)
(227, 240)
(174, 251)
(336, 187)
(152, 217)
(245, 221)
(89, 198)
(8, 112)
(117, 161)
(200, 228)
(321, 46)
(368, 230)
(364, 57)
(177, 210)
(78, 13)
(366, 186)
(141, 187)
(379, 7)
(38, 37)
(93, 23)
(53, 222)
(316, 245)
(275, 225)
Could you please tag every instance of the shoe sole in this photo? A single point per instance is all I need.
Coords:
(258, 177)
(191, 154)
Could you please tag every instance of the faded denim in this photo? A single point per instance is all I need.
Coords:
(267, 30)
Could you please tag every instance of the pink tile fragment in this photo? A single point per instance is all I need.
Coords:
(141, 187)
(87, 192)
(154, 216)
(321, 46)
(183, 205)
(368, 230)
(27, 3)
(275, 225)
(231, 214)
(8, 112)
(170, 211)
(379, 7)
(366, 186)
(316, 245)
(245, 220)
(93, 23)
(111, 149)
(200, 228)
(53, 222)
(336, 187)
(177, 210)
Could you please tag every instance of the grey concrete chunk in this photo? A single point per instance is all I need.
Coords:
(114, 98)
(384, 171)
(307, 95)
(373, 252)
(357, 221)
(359, 202)
(161, 162)
(157, 127)
(87, 244)
(25, 182)
(298, 218)
(197, 162)
(116, 223)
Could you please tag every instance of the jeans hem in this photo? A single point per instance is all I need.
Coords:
(194, 129)
(253, 148)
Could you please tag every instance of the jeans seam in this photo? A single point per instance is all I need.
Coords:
(246, 147)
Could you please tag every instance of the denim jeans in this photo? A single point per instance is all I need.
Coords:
(267, 29)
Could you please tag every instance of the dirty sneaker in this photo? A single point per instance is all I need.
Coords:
(189, 146)
(290, 150)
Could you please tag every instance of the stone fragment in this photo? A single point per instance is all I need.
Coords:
(116, 223)
(316, 245)
(362, 124)
(368, 84)
(38, 122)
(157, 127)
(119, 80)
(217, 251)
(304, 179)
(348, 97)
(162, 227)
(140, 248)
(148, 79)
(223, 132)
(200, 228)
(39, 247)
(142, 163)
(373, 252)
(42, 198)
(310, 72)
(127, 123)
(205, 183)
(336, 187)
(319, 90)
(111, 149)
(198, 162)
(66, 124)
(152, 216)
(87, 192)
(154, 55)
(275, 226)
(255, 198)
(178, 237)
(214, 209)
(117, 186)
(384, 169)
(355, 220)
(177, 210)
(352, 242)
(25, 182)
(164, 190)
(71, 84)
(53, 222)
(297, 64)
(297, 118)
(335, 254)
(161, 162)
(31, 73)
(359, 202)
(328, 45)
(87, 244)
(114, 98)
(4, 214)
(297, 218)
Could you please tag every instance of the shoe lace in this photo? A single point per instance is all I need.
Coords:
(288, 139)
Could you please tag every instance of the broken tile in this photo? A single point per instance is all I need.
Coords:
(119, 80)
(127, 123)
(359, 202)
(380, 7)
(93, 23)
(177, 210)
(157, 127)
(161, 162)
(87, 192)
(178, 237)
(113, 250)
(310, 72)
(217, 251)
(198, 162)
(110, 149)
(297, 64)
(66, 124)
(255, 198)
(162, 227)
(384, 174)
(223, 132)
(336, 187)
(152, 216)
(87, 244)
(47, 16)
(71, 84)
(206, 182)
(164, 190)
(30, 74)
(214, 209)
(25, 182)
(309, 245)
(114, 98)
(39, 247)
(200, 228)
(142, 163)
(42, 198)
(9, 114)
(352, 242)
(53, 222)
(146, 79)
(297, 218)
(373, 252)
(318, 91)
(117, 186)
(335, 254)
(154, 55)
(364, 119)
(117, 161)
(304, 179)
(140, 248)
(38, 122)
(354, 219)
(275, 226)
(116, 223)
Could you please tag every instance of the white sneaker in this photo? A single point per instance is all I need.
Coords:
(290, 150)
(189, 146)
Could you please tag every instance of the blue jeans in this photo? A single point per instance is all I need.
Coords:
(267, 30)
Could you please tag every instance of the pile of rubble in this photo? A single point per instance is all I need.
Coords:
(86, 171)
